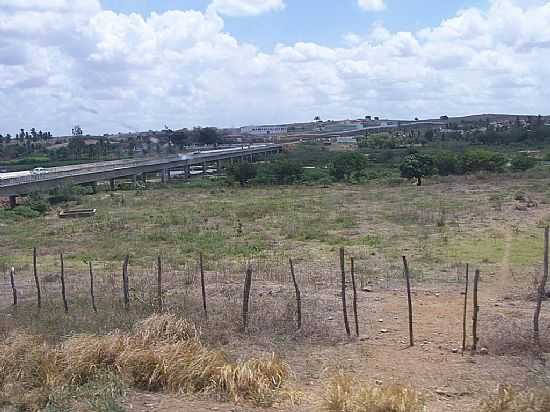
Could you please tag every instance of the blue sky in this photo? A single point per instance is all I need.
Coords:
(114, 65)
(320, 21)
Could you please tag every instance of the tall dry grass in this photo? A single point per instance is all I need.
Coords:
(345, 395)
(508, 399)
(164, 353)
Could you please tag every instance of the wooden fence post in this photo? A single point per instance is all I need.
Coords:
(465, 309)
(298, 296)
(476, 312)
(36, 281)
(354, 297)
(13, 288)
(246, 296)
(344, 305)
(125, 289)
(541, 290)
(159, 283)
(203, 287)
(94, 307)
(63, 291)
(409, 298)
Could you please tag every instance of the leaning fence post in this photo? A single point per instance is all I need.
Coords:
(476, 312)
(541, 290)
(125, 282)
(63, 292)
(36, 281)
(344, 305)
(13, 288)
(203, 287)
(246, 296)
(92, 287)
(354, 297)
(409, 299)
(159, 283)
(465, 309)
(298, 295)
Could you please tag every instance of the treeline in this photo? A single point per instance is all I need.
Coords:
(536, 134)
(419, 165)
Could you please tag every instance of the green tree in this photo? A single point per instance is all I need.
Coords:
(522, 162)
(417, 166)
(243, 172)
(345, 165)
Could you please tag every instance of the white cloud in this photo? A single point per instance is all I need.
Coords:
(77, 63)
(372, 5)
(246, 7)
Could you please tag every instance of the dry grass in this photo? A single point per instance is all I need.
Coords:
(164, 353)
(344, 395)
(508, 399)
(166, 328)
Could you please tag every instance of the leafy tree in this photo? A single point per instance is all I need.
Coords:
(243, 172)
(208, 136)
(347, 164)
(448, 163)
(483, 160)
(522, 162)
(417, 166)
(281, 171)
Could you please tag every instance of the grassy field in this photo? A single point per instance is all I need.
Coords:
(440, 227)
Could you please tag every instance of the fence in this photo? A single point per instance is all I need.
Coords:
(272, 305)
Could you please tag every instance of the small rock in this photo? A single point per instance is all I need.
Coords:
(384, 331)
(484, 351)
(366, 290)
(380, 320)
(330, 318)
(378, 382)
(454, 350)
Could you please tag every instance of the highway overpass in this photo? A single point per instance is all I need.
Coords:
(109, 171)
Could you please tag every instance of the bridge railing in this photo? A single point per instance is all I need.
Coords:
(60, 172)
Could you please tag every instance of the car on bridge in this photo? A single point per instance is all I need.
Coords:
(39, 171)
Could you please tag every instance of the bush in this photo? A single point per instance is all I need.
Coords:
(26, 212)
(345, 165)
(67, 194)
(483, 161)
(507, 399)
(317, 175)
(282, 171)
(243, 172)
(522, 162)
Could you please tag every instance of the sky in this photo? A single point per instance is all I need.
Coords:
(128, 65)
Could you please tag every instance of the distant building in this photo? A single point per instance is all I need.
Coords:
(346, 140)
(264, 130)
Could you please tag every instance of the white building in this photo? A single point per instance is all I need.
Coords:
(264, 130)
(346, 140)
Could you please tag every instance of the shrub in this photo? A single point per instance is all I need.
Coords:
(282, 171)
(508, 399)
(242, 172)
(26, 212)
(317, 175)
(522, 162)
(345, 165)
(483, 161)
(67, 194)
(343, 395)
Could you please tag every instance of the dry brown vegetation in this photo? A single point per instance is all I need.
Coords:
(344, 395)
(164, 357)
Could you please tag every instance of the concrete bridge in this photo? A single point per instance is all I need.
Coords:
(110, 171)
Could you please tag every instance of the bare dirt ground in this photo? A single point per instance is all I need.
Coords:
(447, 379)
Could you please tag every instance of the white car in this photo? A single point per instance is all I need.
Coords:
(39, 171)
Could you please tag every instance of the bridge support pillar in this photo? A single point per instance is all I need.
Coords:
(187, 172)
(218, 166)
(204, 169)
(163, 176)
(144, 178)
(134, 181)
(94, 187)
(112, 184)
(13, 201)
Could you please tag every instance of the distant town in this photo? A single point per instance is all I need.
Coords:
(327, 131)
